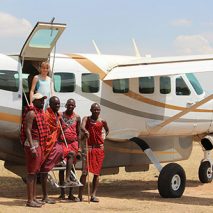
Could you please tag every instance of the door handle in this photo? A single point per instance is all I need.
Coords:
(190, 103)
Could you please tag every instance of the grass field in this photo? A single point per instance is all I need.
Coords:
(126, 192)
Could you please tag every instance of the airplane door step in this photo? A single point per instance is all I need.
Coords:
(55, 183)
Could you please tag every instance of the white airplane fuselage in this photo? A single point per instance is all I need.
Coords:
(129, 114)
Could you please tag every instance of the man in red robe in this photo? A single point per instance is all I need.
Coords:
(92, 128)
(53, 152)
(34, 132)
(69, 141)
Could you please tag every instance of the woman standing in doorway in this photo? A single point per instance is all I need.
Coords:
(42, 83)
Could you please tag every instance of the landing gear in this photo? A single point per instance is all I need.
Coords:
(205, 172)
(172, 178)
(171, 181)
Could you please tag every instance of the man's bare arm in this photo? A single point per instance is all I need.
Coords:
(106, 127)
(29, 122)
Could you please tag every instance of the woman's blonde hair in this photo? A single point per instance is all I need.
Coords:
(44, 63)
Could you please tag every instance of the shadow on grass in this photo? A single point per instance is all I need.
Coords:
(15, 188)
(148, 191)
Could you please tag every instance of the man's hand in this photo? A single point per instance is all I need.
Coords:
(86, 134)
(79, 155)
(33, 152)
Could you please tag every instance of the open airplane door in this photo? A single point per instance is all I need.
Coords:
(41, 41)
(14, 84)
(37, 48)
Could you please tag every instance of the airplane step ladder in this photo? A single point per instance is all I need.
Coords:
(55, 183)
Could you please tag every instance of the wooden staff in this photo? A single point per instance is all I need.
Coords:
(65, 141)
(88, 178)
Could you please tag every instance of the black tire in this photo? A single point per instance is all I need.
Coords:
(172, 181)
(204, 173)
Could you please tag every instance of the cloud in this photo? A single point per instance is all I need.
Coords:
(10, 26)
(181, 22)
(207, 24)
(193, 44)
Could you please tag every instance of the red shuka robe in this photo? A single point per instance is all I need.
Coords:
(54, 127)
(95, 144)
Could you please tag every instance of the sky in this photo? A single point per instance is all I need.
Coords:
(160, 28)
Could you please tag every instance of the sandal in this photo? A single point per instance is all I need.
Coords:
(73, 198)
(48, 201)
(80, 199)
(33, 204)
(39, 201)
(70, 184)
(94, 199)
(62, 197)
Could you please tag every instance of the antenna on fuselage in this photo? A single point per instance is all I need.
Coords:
(137, 53)
(96, 48)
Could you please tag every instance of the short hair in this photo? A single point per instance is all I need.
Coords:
(95, 104)
(51, 100)
(71, 99)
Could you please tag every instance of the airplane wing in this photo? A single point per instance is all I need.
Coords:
(160, 68)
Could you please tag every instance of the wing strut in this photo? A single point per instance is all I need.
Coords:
(137, 53)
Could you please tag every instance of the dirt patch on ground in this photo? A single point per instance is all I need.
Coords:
(126, 192)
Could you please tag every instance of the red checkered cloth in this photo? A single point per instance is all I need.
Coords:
(43, 128)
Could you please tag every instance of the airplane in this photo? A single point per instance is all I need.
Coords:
(155, 107)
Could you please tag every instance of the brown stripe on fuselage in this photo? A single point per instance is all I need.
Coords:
(136, 151)
(93, 68)
(10, 118)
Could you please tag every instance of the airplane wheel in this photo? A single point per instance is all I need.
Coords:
(205, 173)
(171, 181)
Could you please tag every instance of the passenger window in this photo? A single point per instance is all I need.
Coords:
(9, 80)
(120, 85)
(146, 85)
(181, 87)
(90, 83)
(64, 82)
(165, 85)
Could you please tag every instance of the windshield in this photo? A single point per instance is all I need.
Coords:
(195, 83)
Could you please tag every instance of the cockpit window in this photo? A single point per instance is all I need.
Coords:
(195, 83)
(9, 80)
(181, 87)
